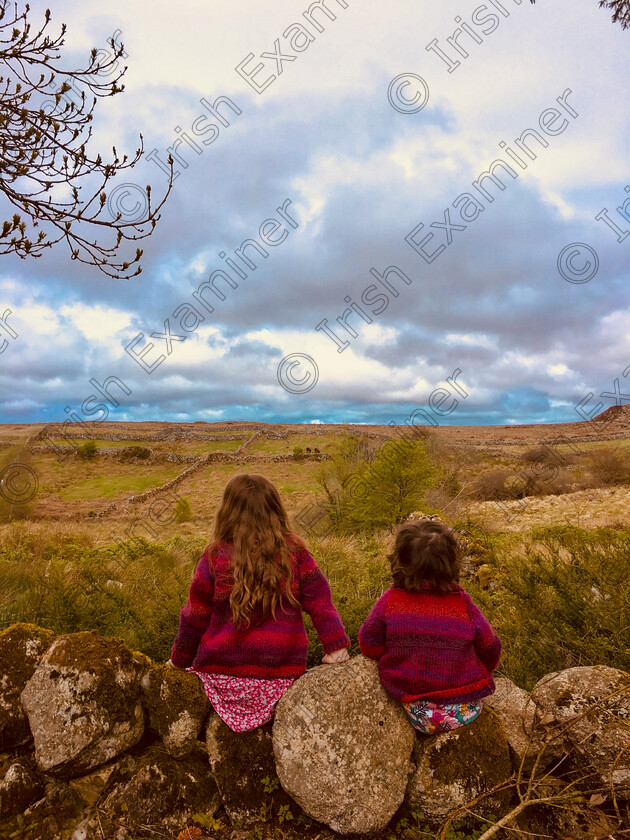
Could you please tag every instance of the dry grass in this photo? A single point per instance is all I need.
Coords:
(593, 508)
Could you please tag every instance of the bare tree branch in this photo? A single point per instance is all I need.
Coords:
(44, 161)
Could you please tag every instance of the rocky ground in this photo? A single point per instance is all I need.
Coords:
(99, 742)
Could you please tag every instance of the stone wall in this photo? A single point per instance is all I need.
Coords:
(97, 741)
(173, 434)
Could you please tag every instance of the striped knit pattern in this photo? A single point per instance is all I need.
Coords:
(267, 649)
(431, 645)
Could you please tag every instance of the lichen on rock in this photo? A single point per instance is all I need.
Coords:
(83, 703)
(177, 705)
(21, 648)
(457, 767)
(343, 747)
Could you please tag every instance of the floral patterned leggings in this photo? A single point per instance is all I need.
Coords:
(433, 718)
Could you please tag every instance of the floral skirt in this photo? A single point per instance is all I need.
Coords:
(243, 703)
(433, 718)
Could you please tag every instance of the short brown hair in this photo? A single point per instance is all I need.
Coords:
(425, 550)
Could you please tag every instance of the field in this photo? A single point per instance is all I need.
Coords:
(71, 489)
(104, 532)
(105, 526)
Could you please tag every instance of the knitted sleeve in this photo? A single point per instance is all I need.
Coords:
(316, 600)
(372, 635)
(487, 643)
(194, 616)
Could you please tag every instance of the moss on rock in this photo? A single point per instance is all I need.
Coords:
(177, 705)
(240, 761)
(21, 648)
(456, 767)
(83, 703)
(155, 793)
(89, 652)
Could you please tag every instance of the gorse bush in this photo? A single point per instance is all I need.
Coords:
(87, 450)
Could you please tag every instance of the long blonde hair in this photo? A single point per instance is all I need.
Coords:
(252, 518)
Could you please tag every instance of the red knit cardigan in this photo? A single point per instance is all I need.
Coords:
(431, 645)
(208, 639)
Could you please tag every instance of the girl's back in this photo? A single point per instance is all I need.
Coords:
(241, 629)
(266, 646)
(431, 644)
(435, 649)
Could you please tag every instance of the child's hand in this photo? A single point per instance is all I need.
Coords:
(336, 657)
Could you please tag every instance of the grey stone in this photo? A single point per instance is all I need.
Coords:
(455, 768)
(343, 747)
(83, 703)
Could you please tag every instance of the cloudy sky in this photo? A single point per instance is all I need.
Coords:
(366, 139)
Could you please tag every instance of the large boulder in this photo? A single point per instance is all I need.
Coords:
(178, 706)
(343, 747)
(244, 770)
(21, 648)
(83, 703)
(153, 793)
(591, 707)
(22, 785)
(532, 744)
(457, 767)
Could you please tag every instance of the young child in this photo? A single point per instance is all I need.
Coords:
(436, 651)
(241, 630)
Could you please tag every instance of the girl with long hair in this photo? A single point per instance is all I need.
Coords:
(241, 629)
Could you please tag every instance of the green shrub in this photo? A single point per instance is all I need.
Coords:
(563, 601)
(298, 453)
(141, 452)
(183, 510)
(371, 490)
(87, 450)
